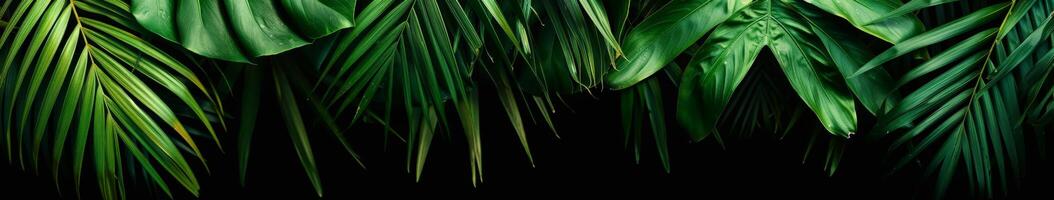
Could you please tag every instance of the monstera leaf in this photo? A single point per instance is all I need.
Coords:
(240, 30)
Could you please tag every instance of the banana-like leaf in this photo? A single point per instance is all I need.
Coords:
(666, 34)
(892, 29)
(911, 6)
(241, 30)
(874, 90)
(730, 51)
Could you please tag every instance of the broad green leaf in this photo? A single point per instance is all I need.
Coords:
(876, 89)
(316, 19)
(893, 29)
(731, 49)
(344, 7)
(241, 30)
(665, 34)
(911, 6)
(717, 69)
(809, 70)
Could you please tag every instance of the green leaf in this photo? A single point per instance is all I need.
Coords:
(911, 6)
(250, 105)
(808, 69)
(976, 119)
(651, 97)
(468, 111)
(600, 20)
(939, 34)
(731, 49)
(297, 130)
(875, 90)
(1024, 50)
(316, 19)
(968, 46)
(495, 12)
(503, 83)
(241, 30)
(893, 29)
(662, 36)
(75, 70)
(719, 66)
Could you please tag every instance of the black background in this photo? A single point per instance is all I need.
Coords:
(588, 159)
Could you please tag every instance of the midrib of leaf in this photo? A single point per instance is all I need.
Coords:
(797, 45)
(967, 109)
(981, 72)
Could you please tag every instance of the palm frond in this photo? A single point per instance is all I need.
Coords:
(646, 101)
(410, 49)
(74, 71)
(967, 113)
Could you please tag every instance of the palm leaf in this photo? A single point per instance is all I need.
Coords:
(971, 106)
(645, 101)
(109, 81)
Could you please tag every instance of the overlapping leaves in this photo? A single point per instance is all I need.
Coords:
(968, 108)
(79, 82)
(79, 87)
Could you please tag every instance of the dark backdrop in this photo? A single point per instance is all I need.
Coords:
(589, 159)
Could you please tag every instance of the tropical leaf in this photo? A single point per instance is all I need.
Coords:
(911, 6)
(730, 51)
(240, 30)
(645, 101)
(93, 81)
(74, 71)
(967, 113)
(662, 36)
(875, 90)
(865, 16)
